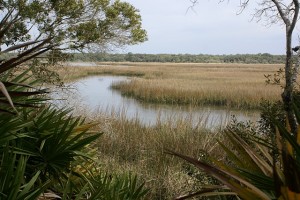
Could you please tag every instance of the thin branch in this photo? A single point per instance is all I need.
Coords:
(26, 59)
(8, 26)
(6, 17)
(19, 46)
(11, 63)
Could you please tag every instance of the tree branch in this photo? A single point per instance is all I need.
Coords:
(295, 18)
(8, 26)
(15, 47)
(6, 17)
(281, 13)
(11, 63)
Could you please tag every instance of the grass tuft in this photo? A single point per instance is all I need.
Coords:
(239, 86)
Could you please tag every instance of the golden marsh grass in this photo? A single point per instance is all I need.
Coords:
(231, 85)
(126, 145)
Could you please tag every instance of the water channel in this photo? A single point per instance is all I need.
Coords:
(95, 94)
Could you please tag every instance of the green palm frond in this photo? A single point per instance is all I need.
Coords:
(256, 167)
(55, 139)
(13, 185)
(18, 91)
(117, 187)
(44, 148)
(240, 186)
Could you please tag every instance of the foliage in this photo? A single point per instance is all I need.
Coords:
(18, 91)
(12, 171)
(263, 58)
(116, 187)
(256, 166)
(37, 147)
(40, 32)
(269, 112)
(56, 139)
(43, 148)
(51, 25)
(94, 184)
(40, 147)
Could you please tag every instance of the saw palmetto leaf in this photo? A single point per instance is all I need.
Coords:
(256, 167)
(18, 91)
(61, 138)
(238, 185)
(12, 182)
(5, 94)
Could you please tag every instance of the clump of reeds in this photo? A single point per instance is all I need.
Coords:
(127, 145)
(71, 73)
(243, 95)
(232, 85)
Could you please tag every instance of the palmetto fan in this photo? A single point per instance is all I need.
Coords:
(255, 167)
(13, 90)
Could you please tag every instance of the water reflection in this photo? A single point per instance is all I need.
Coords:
(95, 93)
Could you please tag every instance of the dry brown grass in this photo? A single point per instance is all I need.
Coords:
(232, 85)
(126, 145)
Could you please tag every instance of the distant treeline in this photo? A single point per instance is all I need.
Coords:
(264, 58)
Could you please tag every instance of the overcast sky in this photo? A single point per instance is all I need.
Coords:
(212, 28)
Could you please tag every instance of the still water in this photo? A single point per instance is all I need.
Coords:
(96, 95)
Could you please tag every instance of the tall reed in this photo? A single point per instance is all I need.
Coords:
(126, 145)
(232, 85)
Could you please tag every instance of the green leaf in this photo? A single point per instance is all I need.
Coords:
(243, 188)
(6, 94)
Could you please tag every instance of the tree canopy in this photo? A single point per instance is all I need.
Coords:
(261, 58)
(33, 27)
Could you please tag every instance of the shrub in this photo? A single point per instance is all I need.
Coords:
(258, 166)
